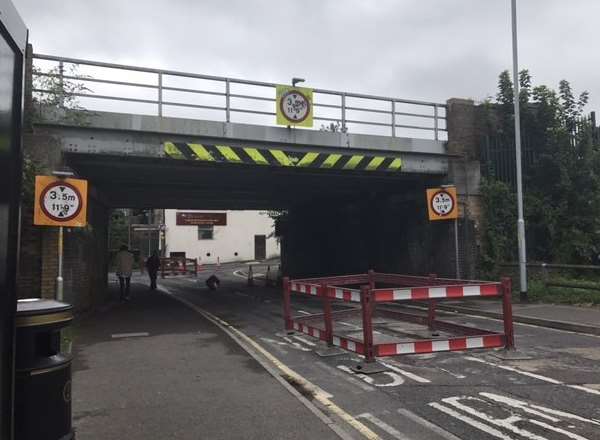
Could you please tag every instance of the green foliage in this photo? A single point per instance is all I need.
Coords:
(561, 184)
(499, 225)
(539, 291)
(119, 228)
(31, 168)
(53, 91)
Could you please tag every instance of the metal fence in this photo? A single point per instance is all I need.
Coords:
(497, 152)
(233, 100)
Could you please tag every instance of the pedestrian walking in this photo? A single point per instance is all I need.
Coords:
(124, 260)
(152, 265)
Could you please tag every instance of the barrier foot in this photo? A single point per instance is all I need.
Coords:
(368, 368)
(512, 355)
(286, 333)
(330, 351)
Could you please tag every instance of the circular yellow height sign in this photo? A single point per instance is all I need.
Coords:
(294, 106)
(442, 203)
(60, 202)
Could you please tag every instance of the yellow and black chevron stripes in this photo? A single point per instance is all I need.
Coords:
(281, 158)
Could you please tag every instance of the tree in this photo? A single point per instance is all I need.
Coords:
(561, 182)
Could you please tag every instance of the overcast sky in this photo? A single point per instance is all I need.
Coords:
(419, 49)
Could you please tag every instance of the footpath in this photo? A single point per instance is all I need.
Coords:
(558, 316)
(151, 368)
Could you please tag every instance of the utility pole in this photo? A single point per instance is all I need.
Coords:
(520, 221)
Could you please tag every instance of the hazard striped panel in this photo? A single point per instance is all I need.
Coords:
(436, 292)
(309, 289)
(349, 295)
(310, 331)
(432, 346)
(281, 158)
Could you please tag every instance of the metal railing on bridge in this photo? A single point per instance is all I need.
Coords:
(167, 93)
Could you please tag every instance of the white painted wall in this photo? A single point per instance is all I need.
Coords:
(237, 236)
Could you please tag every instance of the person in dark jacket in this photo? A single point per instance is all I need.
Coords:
(152, 265)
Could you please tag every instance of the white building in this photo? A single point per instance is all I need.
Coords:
(222, 236)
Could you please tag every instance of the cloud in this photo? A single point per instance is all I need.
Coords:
(427, 49)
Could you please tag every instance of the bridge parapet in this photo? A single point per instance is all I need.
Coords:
(166, 93)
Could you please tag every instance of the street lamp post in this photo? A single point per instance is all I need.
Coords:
(520, 220)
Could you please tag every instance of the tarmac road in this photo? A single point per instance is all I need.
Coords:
(554, 395)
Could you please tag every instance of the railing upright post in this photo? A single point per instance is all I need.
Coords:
(507, 315)
(327, 315)
(160, 94)
(367, 323)
(431, 306)
(344, 129)
(227, 100)
(287, 306)
(393, 118)
(61, 84)
(435, 122)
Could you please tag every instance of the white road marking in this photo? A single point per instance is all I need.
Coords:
(535, 376)
(304, 313)
(276, 345)
(427, 424)
(306, 341)
(290, 343)
(239, 275)
(347, 324)
(353, 381)
(519, 415)
(396, 380)
(130, 335)
(458, 376)
(405, 373)
(468, 420)
(526, 406)
(560, 431)
(383, 426)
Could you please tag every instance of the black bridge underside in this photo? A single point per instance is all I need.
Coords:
(140, 182)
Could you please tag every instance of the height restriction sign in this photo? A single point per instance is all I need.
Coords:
(294, 106)
(442, 204)
(60, 202)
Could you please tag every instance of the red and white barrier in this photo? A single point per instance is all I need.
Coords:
(433, 346)
(430, 289)
(437, 292)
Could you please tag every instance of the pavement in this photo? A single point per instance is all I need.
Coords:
(152, 368)
(189, 376)
(565, 317)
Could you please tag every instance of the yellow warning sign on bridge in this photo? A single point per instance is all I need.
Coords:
(442, 203)
(294, 106)
(60, 202)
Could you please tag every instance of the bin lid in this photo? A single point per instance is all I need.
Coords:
(40, 311)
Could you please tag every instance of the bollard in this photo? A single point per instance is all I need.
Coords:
(279, 276)
(196, 267)
(431, 306)
(327, 315)
(287, 306)
(507, 313)
(367, 323)
(250, 277)
(268, 277)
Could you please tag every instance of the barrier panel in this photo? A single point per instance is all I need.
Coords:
(374, 288)
(178, 266)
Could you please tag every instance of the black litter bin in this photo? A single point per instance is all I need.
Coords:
(43, 372)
